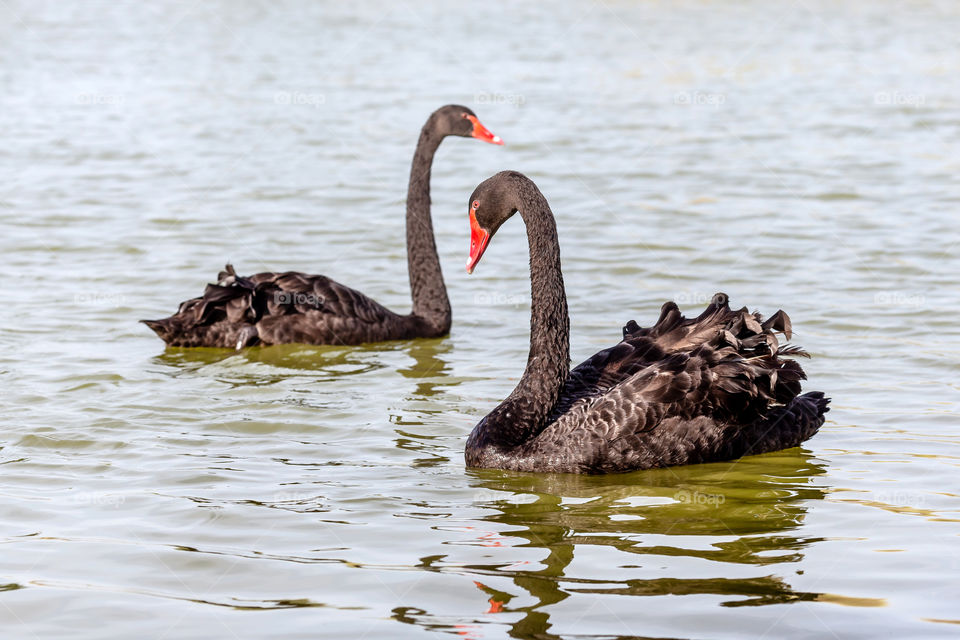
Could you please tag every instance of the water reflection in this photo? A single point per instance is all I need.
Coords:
(747, 513)
(429, 366)
(430, 370)
(267, 365)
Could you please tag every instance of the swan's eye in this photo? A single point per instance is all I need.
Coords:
(475, 205)
(464, 115)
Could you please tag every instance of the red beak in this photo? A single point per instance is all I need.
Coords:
(479, 238)
(480, 132)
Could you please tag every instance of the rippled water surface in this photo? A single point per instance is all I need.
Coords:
(796, 155)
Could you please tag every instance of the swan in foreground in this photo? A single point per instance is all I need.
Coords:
(711, 388)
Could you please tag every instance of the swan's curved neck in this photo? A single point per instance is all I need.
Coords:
(427, 290)
(524, 413)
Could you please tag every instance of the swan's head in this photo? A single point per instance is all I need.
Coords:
(457, 120)
(491, 204)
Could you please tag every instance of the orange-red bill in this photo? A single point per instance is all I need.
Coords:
(479, 238)
(480, 132)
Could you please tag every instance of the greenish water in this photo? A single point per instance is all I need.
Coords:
(801, 156)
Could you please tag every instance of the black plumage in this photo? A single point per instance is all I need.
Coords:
(711, 388)
(282, 308)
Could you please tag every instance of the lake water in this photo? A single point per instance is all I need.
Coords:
(797, 155)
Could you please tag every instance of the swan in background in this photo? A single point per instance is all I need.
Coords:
(287, 307)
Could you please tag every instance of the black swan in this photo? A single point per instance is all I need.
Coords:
(275, 308)
(711, 388)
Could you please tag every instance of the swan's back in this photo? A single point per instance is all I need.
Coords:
(714, 387)
(276, 308)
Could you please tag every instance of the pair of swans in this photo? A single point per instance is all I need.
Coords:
(711, 388)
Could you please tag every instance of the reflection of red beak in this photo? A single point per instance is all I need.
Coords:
(479, 238)
(480, 132)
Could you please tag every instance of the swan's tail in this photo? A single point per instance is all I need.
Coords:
(160, 327)
(783, 426)
(222, 317)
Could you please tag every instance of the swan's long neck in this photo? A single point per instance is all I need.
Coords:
(429, 294)
(524, 413)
